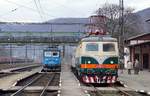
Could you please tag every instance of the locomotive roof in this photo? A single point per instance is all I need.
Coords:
(99, 38)
(52, 49)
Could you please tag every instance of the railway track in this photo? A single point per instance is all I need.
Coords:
(20, 69)
(40, 81)
(119, 92)
(27, 68)
(9, 72)
(43, 92)
(6, 74)
(8, 66)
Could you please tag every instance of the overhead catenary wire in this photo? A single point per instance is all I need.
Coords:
(7, 13)
(38, 9)
(41, 9)
(29, 8)
(45, 12)
(40, 6)
(2, 16)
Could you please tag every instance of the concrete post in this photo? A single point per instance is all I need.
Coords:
(63, 50)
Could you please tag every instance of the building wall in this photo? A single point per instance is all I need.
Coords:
(140, 49)
(142, 53)
(145, 51)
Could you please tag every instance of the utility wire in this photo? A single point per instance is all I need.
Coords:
(38, 9)
(41, 9)
(13, 10)
(40, 6)
(29, 8)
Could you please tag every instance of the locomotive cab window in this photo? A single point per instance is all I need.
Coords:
(91, 47)
(47, 54)
(109, 47)
(55, 54)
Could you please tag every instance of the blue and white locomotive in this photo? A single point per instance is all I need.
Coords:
(52, 59)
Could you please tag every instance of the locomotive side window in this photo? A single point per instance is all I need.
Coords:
(91, 47)
(109, 47)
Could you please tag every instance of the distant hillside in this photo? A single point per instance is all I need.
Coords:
(136, 23)
(69, 20)
(143, 16)
(78, 24)
(58, 25)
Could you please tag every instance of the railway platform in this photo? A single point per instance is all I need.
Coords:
(8, 82)
(17, 68)
(140, 82)
(70, 85)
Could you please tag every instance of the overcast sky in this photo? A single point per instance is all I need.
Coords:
(26, 10)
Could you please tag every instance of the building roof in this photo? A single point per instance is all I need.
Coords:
(138, 36)
(146, 42)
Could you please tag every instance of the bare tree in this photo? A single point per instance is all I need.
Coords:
(112, 24)
(112, 11)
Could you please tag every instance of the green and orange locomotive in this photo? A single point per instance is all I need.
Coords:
(96, 59)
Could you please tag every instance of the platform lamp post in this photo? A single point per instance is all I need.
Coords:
(50, 35)
(10, 51)
(26, 48)
(33, 50)
(26, 53)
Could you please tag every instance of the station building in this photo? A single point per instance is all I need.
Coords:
(139, 48)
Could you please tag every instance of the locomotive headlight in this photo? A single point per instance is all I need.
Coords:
(111, 62)
(89, 62)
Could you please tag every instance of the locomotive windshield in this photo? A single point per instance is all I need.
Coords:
(109, 47)
(91, 47)
(51, 54)
(55, 54)
(47, 54)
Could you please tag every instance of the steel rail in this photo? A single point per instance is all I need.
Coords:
(98, 93)
(26, 68)
(123, 92)
(44, 89)
(20, 90)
